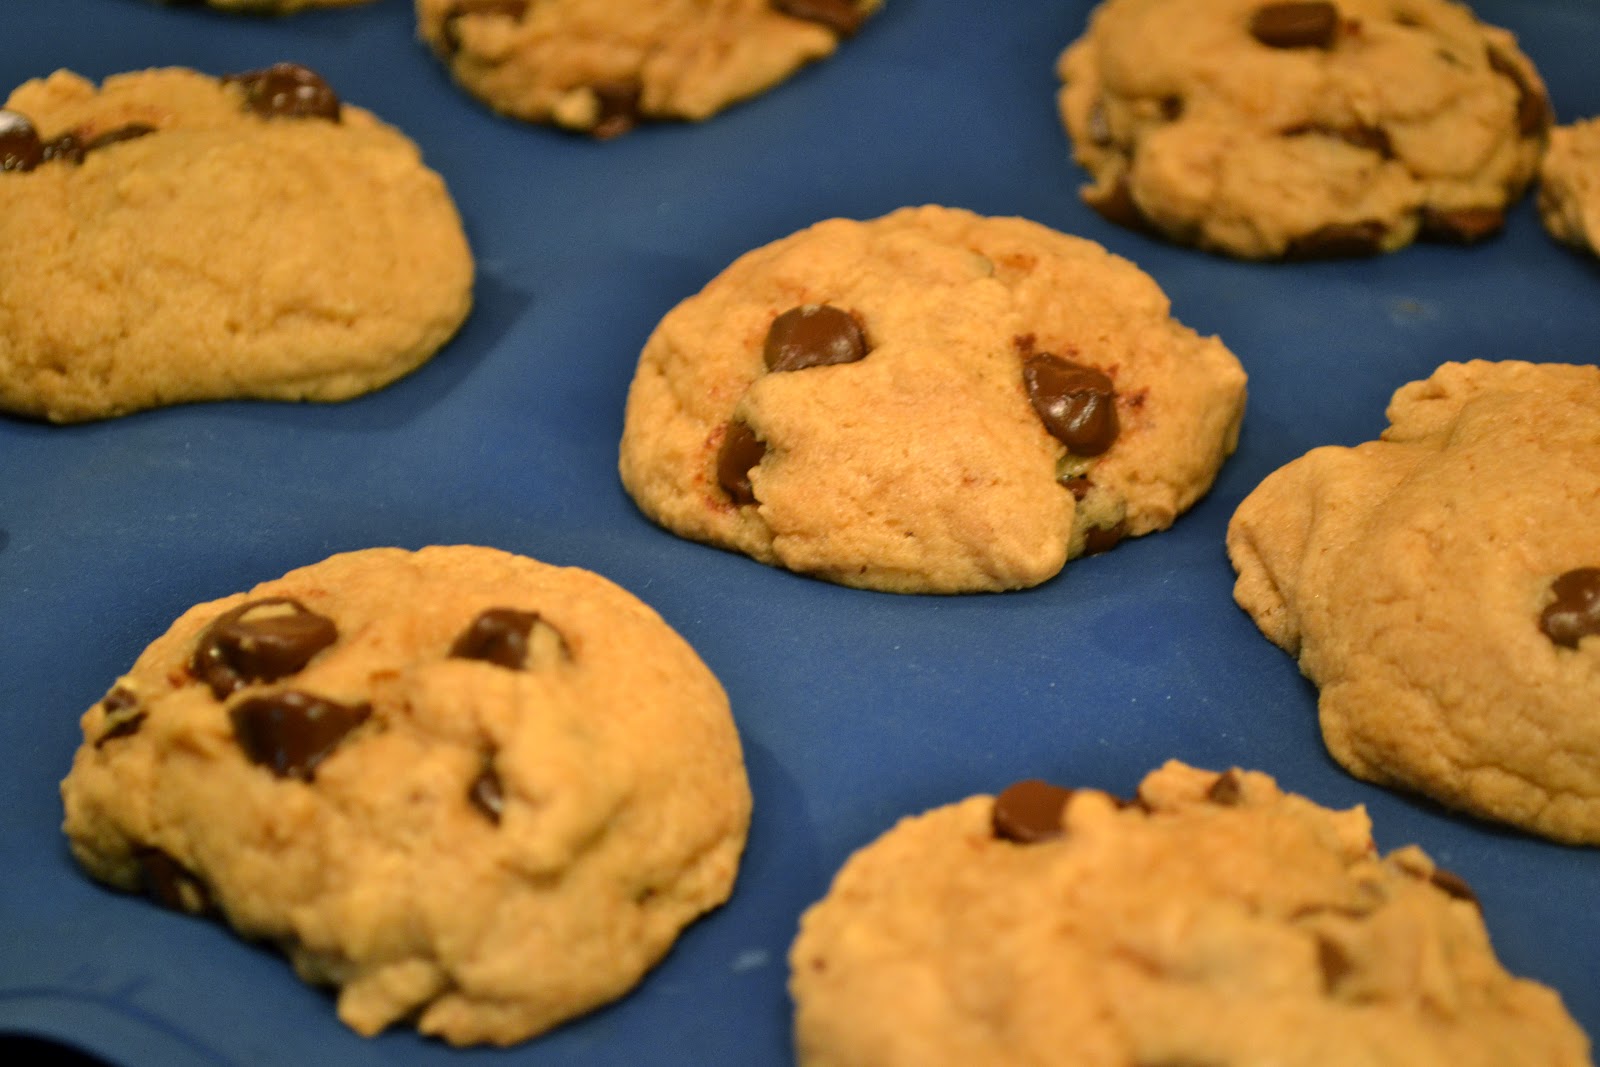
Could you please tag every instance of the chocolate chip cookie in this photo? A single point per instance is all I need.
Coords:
(1296, 130)
(173, 237)
(470, 790)
(1214, 920)
(603, 66)
(1441, 585)
(932, 401)
(1569, 185)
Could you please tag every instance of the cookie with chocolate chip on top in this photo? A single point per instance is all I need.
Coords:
(932, 401)
(1441, 586)
(1214, 919)
(474, 792)
(1305, 129)
(248, 236)
(601, 67)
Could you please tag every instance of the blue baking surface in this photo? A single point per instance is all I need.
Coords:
(855, 707)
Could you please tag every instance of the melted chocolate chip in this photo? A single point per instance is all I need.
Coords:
(291, 732)
(487, 793)
(1078, 485)
(618, 108)
(1575, 612)
(1372, 138)
(843, 17)
(1339, 240)
(1533, 107)
(1461, 225)
(122, 133)
(511, 9)
(123, 715)
(1077, 404)
(260, 641)
(170, 883)
(1312, 24)
(287, 91)
(20, 147)
(1227, 790)
(1098, 539)
(741, 450)
(501, 636)
(813, 335)
(1454, 886)
(1029, 812)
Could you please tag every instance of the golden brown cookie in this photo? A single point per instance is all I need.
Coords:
(472, 791)
(1215, 920)
(173, 237)
(1569, 185)
(602, 66)
(1441, 585)
(1262, 129)
(932, 401)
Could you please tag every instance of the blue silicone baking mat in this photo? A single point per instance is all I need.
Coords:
(855, 707)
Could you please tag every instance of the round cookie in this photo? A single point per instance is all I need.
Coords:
(932, 401)
(174, 237)
(1263, 130)
(470, 790)
(1569, 185)
(1441, 585)
(602, 66)
(1216, 920)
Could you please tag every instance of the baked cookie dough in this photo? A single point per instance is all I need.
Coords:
(932, 401)
(1569, 185)
(1305, 129)
(175, 237)
(602, 66)
(470, 790)
(1215, 920)
(1441, 585)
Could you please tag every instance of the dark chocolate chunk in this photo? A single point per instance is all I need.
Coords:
(1461, 225)
(20, 147)
(741, 450)
(1575, 612)
(618, 104)
(170, 883)
(813, 335)
(289, 91)
(1098, 539)
(511, 9)
(1029, 812)
(1339, 240)
(1077, 404)
(1313, 24)
(487, 794)
(1534, 115)
(843, 17)
(1454, 885)
(1172, 108)
(291, 732)
(1078, 485)
(500, 636)
(1227, 790)
(123, 715)
(260, 641)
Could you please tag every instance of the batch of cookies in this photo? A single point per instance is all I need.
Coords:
(559, 775)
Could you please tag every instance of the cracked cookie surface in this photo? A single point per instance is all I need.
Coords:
(173, 237)
(602, 66)
(1441, 586)
(1215, 920)
(931, 401)
(1302, 130)
(1569, 185)
(471, 790)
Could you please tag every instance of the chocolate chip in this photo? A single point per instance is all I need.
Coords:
(487, 793)
(170, 883)
(1172, 108)
(843, 17)
(618, 108)
(20, 147)
(1334, 961)
(1454, 886)
(1098, 539)
(511, 9)
(1461, 225)
(813, 335)
(1077, 485)
(741, 450)
(287, 90)
(502, 636)
(1029, 812)
(123, 715)
(122, 133)
(1339, 240)
(1575, 612)
(1227, 790)
(1533, 107)
(261, 641)
(1313, 24)
(1371, 138)
(1077, 404)
(291, 732)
